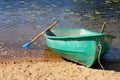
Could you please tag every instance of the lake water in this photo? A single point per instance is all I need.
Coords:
(21, 20)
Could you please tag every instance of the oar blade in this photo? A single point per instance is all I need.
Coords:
(26, 45)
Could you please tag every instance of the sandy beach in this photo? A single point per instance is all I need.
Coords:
(59, 70)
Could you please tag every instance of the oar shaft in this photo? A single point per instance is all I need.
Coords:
(39, 35)
(103, 27)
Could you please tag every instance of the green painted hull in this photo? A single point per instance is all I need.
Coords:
(78, 45)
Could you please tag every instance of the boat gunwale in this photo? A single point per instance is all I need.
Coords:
(96, 34)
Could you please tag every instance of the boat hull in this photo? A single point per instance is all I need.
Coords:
(83, 50)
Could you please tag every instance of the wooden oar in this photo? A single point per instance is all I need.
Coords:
(27, 44)
(103, 27)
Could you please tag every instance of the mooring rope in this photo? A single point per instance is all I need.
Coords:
(100, 49)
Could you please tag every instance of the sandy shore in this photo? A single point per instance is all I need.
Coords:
(59, 70)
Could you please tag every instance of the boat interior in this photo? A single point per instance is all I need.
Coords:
(69, 32)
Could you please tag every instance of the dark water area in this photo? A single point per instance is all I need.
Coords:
(21, 20)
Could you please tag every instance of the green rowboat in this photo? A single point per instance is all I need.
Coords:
(78, 44)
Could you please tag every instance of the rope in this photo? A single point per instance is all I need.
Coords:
(100, 49)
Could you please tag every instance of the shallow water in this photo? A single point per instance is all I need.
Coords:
(20, 21)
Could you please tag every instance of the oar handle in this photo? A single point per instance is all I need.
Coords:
(39, 35)
(103, 27)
